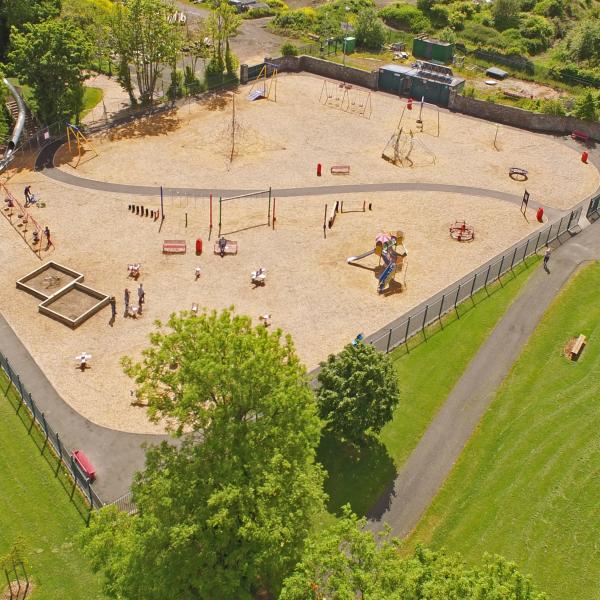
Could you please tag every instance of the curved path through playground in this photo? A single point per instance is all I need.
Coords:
(45, 163)
(432, 460)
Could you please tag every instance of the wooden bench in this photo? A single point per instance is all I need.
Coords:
(340, 170)
(85, 464)
(174, 247)
(578, 347)
(580, 135)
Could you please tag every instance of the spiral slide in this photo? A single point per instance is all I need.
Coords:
(17, 131)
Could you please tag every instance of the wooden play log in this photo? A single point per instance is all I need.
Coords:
(332, 215)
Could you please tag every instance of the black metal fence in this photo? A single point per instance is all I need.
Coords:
(51, 438)
(400, 331)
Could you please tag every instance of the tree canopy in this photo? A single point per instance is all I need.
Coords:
(143, 37)
(346, 562)
(358, 391)
(51, 57)
(226, 512)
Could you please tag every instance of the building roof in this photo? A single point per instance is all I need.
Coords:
(426, 71)
(496, 72)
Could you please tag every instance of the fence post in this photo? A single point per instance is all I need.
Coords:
(59, 454)
(20, 387)
(74, 472)
(440, 312)
(406, 333)
(425, 319)
(512, 262)
(527, 248)
(89, 491)
(456, 300)
(389, 341)
(32, 408)
(45, 432)
(486, 279)
(548, 237)
(473, 289)
(500, 269)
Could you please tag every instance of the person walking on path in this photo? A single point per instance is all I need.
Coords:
(126, 300)
(547, 258)
(141, 297)
(113, 307)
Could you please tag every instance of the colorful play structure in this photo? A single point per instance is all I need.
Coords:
(390, 248)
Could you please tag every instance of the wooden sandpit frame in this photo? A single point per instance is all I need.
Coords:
(23, 283)
(73, 322)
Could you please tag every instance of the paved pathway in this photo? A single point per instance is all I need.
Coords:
(45, 163)
(115, 454)
(433, 459)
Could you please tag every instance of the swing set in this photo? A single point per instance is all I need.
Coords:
(342, 96)
(75, 134)
(265, 84)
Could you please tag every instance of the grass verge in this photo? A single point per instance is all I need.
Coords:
(528, 483)
(428, 368)
(39, 511)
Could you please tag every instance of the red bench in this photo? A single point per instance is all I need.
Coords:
(84, 463)
(174, 247)
(580, 135)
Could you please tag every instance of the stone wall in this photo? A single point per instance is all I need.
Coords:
(524, 119)
(326, 68)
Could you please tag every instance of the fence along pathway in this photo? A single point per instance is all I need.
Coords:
(441, 445)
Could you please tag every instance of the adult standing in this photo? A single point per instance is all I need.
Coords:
(141, 297)
(126, 295)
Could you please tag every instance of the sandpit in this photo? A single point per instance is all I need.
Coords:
(311, 292)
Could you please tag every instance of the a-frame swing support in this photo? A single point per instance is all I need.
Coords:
(78, 137)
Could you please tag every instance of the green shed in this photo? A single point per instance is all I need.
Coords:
(433, 50)
(349, 45)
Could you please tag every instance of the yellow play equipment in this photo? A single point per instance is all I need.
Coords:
(265, 85)
(83, 144)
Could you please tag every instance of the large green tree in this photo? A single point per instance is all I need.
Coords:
(369, 30)
(51, 58)
(346, 562)
(226, 513)
(222, 24)
(143, 38)
(93, 17)
(358, 391)
(17, 13)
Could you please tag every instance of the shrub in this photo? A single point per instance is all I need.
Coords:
(553, 107)
(586, 107)
(405, 17)
(259, 13)
(538, 33)
(288, 49)
(370, 31)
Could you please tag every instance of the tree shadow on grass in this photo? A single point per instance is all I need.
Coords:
(356, 475)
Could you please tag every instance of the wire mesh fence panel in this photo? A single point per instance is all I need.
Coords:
(494, 272)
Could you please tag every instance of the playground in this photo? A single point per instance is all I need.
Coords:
(309, 288)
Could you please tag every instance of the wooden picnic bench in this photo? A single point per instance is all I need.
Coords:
(174, 247)
(230, 247)
(578, 347)
(580, 135)
(85, 464)
(340, 170)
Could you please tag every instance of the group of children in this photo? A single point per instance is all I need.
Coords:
(131, 311)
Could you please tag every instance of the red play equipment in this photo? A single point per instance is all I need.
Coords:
(539, 215)
(462, 232)
(319, 170)
(584, 157)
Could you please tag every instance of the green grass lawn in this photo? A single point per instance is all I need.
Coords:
(36, 512)
(426, 375)
(91, 97)
(527, 486)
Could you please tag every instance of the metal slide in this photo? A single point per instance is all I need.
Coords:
(19, 125)
(360, 256)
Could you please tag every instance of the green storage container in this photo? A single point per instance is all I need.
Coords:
(349, 45)
(433, 50)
